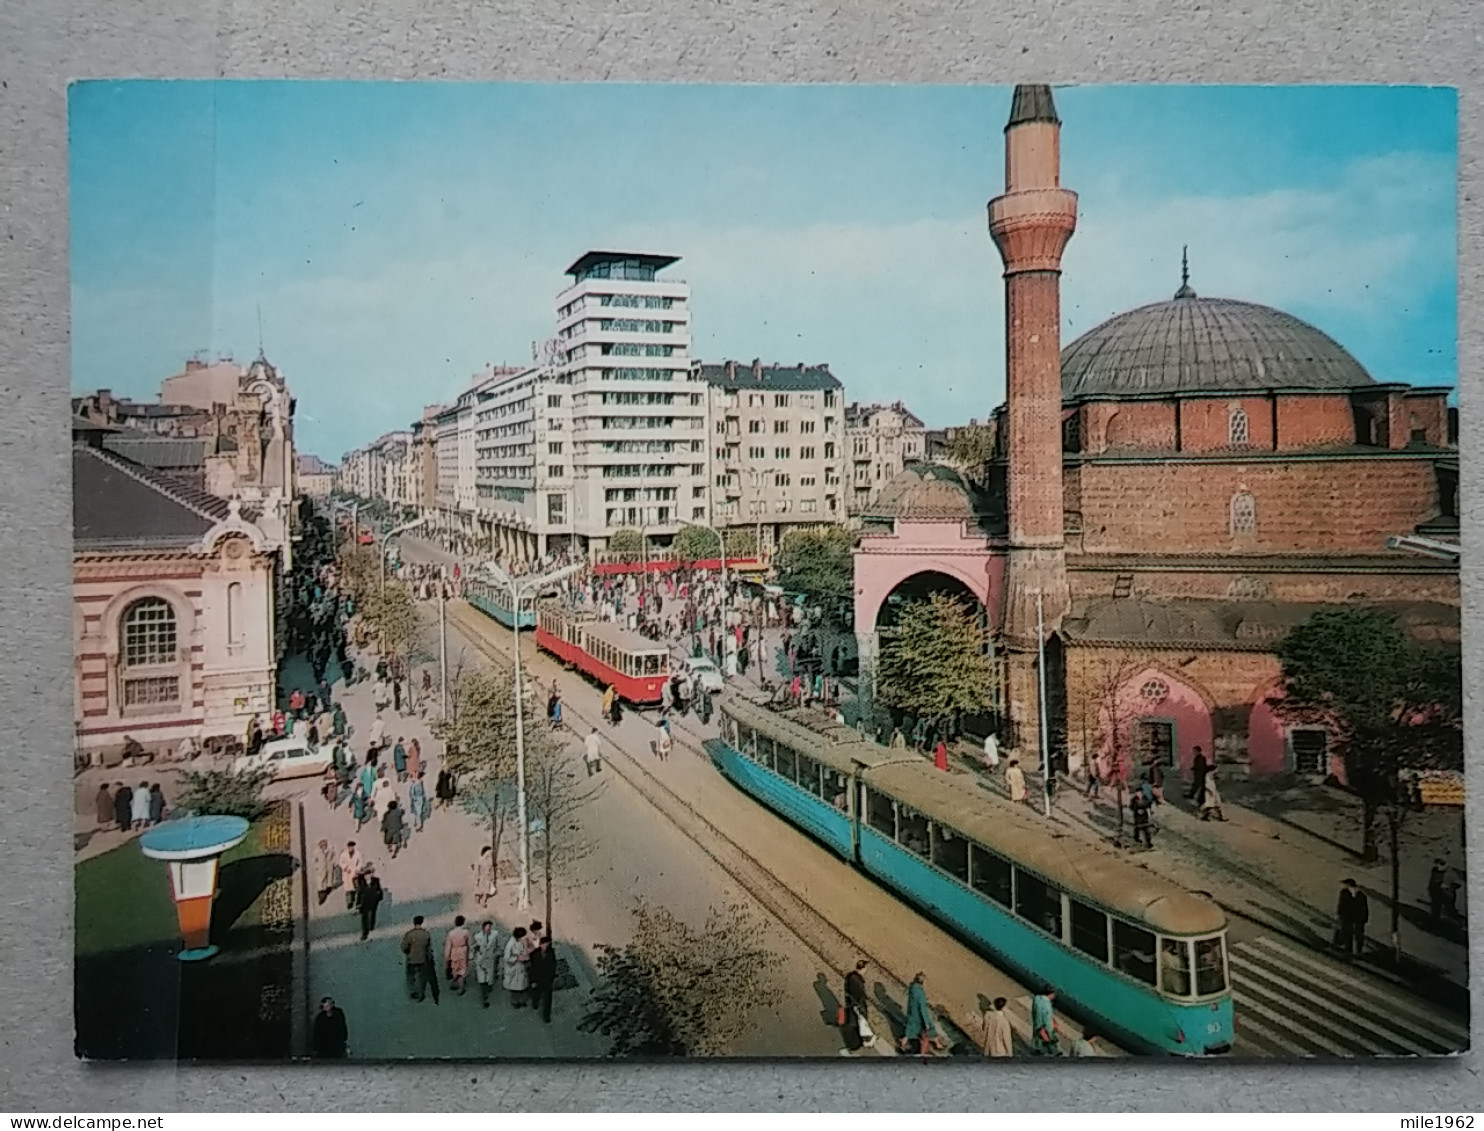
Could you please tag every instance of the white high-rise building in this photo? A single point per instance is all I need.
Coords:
(638, 436)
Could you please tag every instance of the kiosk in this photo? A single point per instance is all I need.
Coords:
(192, 847)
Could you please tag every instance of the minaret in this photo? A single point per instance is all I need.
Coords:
(1031, 224)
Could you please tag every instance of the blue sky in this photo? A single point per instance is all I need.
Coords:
(399, 236)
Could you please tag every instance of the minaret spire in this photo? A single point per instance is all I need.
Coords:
(1185, 291)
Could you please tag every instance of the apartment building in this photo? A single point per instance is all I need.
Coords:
(637, 453)
(883, 439)
(777, 446)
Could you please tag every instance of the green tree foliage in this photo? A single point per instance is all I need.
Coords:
(626, 540)
(741, 541)
(820, 564)
(1393, 705)
(223, 793)
(358, 572)
(972, 447)
(933, 663)
(695, 542)
(392, 615)
(677, 991)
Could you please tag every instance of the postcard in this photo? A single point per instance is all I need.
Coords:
(651, 571)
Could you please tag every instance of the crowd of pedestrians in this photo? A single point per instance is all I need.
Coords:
(130, 809)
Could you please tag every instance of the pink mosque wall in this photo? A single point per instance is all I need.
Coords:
(1185, 706)
(884, 561)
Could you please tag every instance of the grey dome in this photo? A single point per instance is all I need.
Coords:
(1204, 345)
(926, 491)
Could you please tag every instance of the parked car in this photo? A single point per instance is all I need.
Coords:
(287, 758)
(702, 672)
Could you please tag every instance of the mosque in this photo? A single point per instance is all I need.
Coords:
(1170, 494)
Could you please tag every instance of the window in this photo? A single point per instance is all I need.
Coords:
(808, 506)
(780, 427)
(782, 506)
(784, 759)
(554, 400)
(151, 691)
(1310, 750)
(912, 831)
(1239, 428)
(836, 790)
(780, 400)
(1210, 966)
(1154, 691)
(808, 774)
(780, 453)
(780, 480)
(1154, 741)
(806, 481)
(1089, 930)
(149, 633)
(698, 512)
(1244, 513)
(757, 453)
(806, 426)
(556, 509)
(754, 426)
(951, 852)
(881, 813)
(555, 470)
(554, 448)
(805, 453)
(235, 634)
(991, 875)
(1038, 902)
(1174, 967)
(698, 492)
(1133, 951)
(829, 449)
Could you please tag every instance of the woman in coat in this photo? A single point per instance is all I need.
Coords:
(360, 805)
(414, 759)
(1211, 798)
(156, 804)
(484, 876)
(140, 803)
(105, 806)
(516, 977)
(1015, 780)
(919, 1025)
(607, 707)
(417, 802)
(392, 828)
(456, 947)
(485, 952)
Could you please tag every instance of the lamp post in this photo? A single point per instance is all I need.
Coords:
(517, 591)
(1041, 706)
(390, 534)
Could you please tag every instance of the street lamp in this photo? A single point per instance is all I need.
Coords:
(517, 591)
(390, 534)
(1041, 711)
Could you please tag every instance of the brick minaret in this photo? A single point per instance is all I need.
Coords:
(1031, 224)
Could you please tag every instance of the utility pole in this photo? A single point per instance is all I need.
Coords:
(443, 640)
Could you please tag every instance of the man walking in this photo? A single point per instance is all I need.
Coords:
(350, 868)
(368, 896)
(1353, 910)
(1044, 1036)
(417, 949)
(399, 759)
(998, 1040)
(592, 752)
(1138, 805)
(417, 801)
(330, 1037)
(486, 953)
(543, 972)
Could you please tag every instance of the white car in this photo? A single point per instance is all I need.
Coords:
(702, 672)
(287, 758)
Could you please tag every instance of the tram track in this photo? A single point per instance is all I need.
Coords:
(821, 938)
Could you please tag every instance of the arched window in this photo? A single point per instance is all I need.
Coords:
(1239, 428)
(1243, 513)
(234, 615)
(149, 633)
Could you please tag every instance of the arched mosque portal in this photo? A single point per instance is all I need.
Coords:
(919, 587)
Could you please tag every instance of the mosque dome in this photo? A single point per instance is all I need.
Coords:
(927, 492)
(1194, 345)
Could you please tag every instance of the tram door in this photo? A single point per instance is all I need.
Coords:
(1154, 741)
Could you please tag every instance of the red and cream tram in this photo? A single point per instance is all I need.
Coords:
(636, 667)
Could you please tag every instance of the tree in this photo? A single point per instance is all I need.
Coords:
(821, 565)
(226, 793)
(741, 541)
(358, 571)
(626, 540)
(972, 447)
(676, 991)
(391, 614)
(1393, 705)
(555, 798)
(479, 745)
(935, 664)
(1116, 717)
(693, 543)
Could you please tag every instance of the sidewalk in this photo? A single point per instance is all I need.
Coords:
(1283, 874)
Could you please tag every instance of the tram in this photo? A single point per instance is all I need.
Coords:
(494, 602)
(1138, 956)
(634, 666)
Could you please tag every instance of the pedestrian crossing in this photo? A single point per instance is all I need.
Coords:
(1292, 1002)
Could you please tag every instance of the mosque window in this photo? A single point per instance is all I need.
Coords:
(1154, 691)
(1243, 513)
(1239, 428)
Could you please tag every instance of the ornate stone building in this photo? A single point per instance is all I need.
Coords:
(1181, 486)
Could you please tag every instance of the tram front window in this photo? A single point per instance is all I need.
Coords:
(1210, 965)
(1174, 967)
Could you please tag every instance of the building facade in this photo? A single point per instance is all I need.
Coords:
(777, 437)
(316, 478)
(1169, 496)
(638, 448)
(881, 441)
